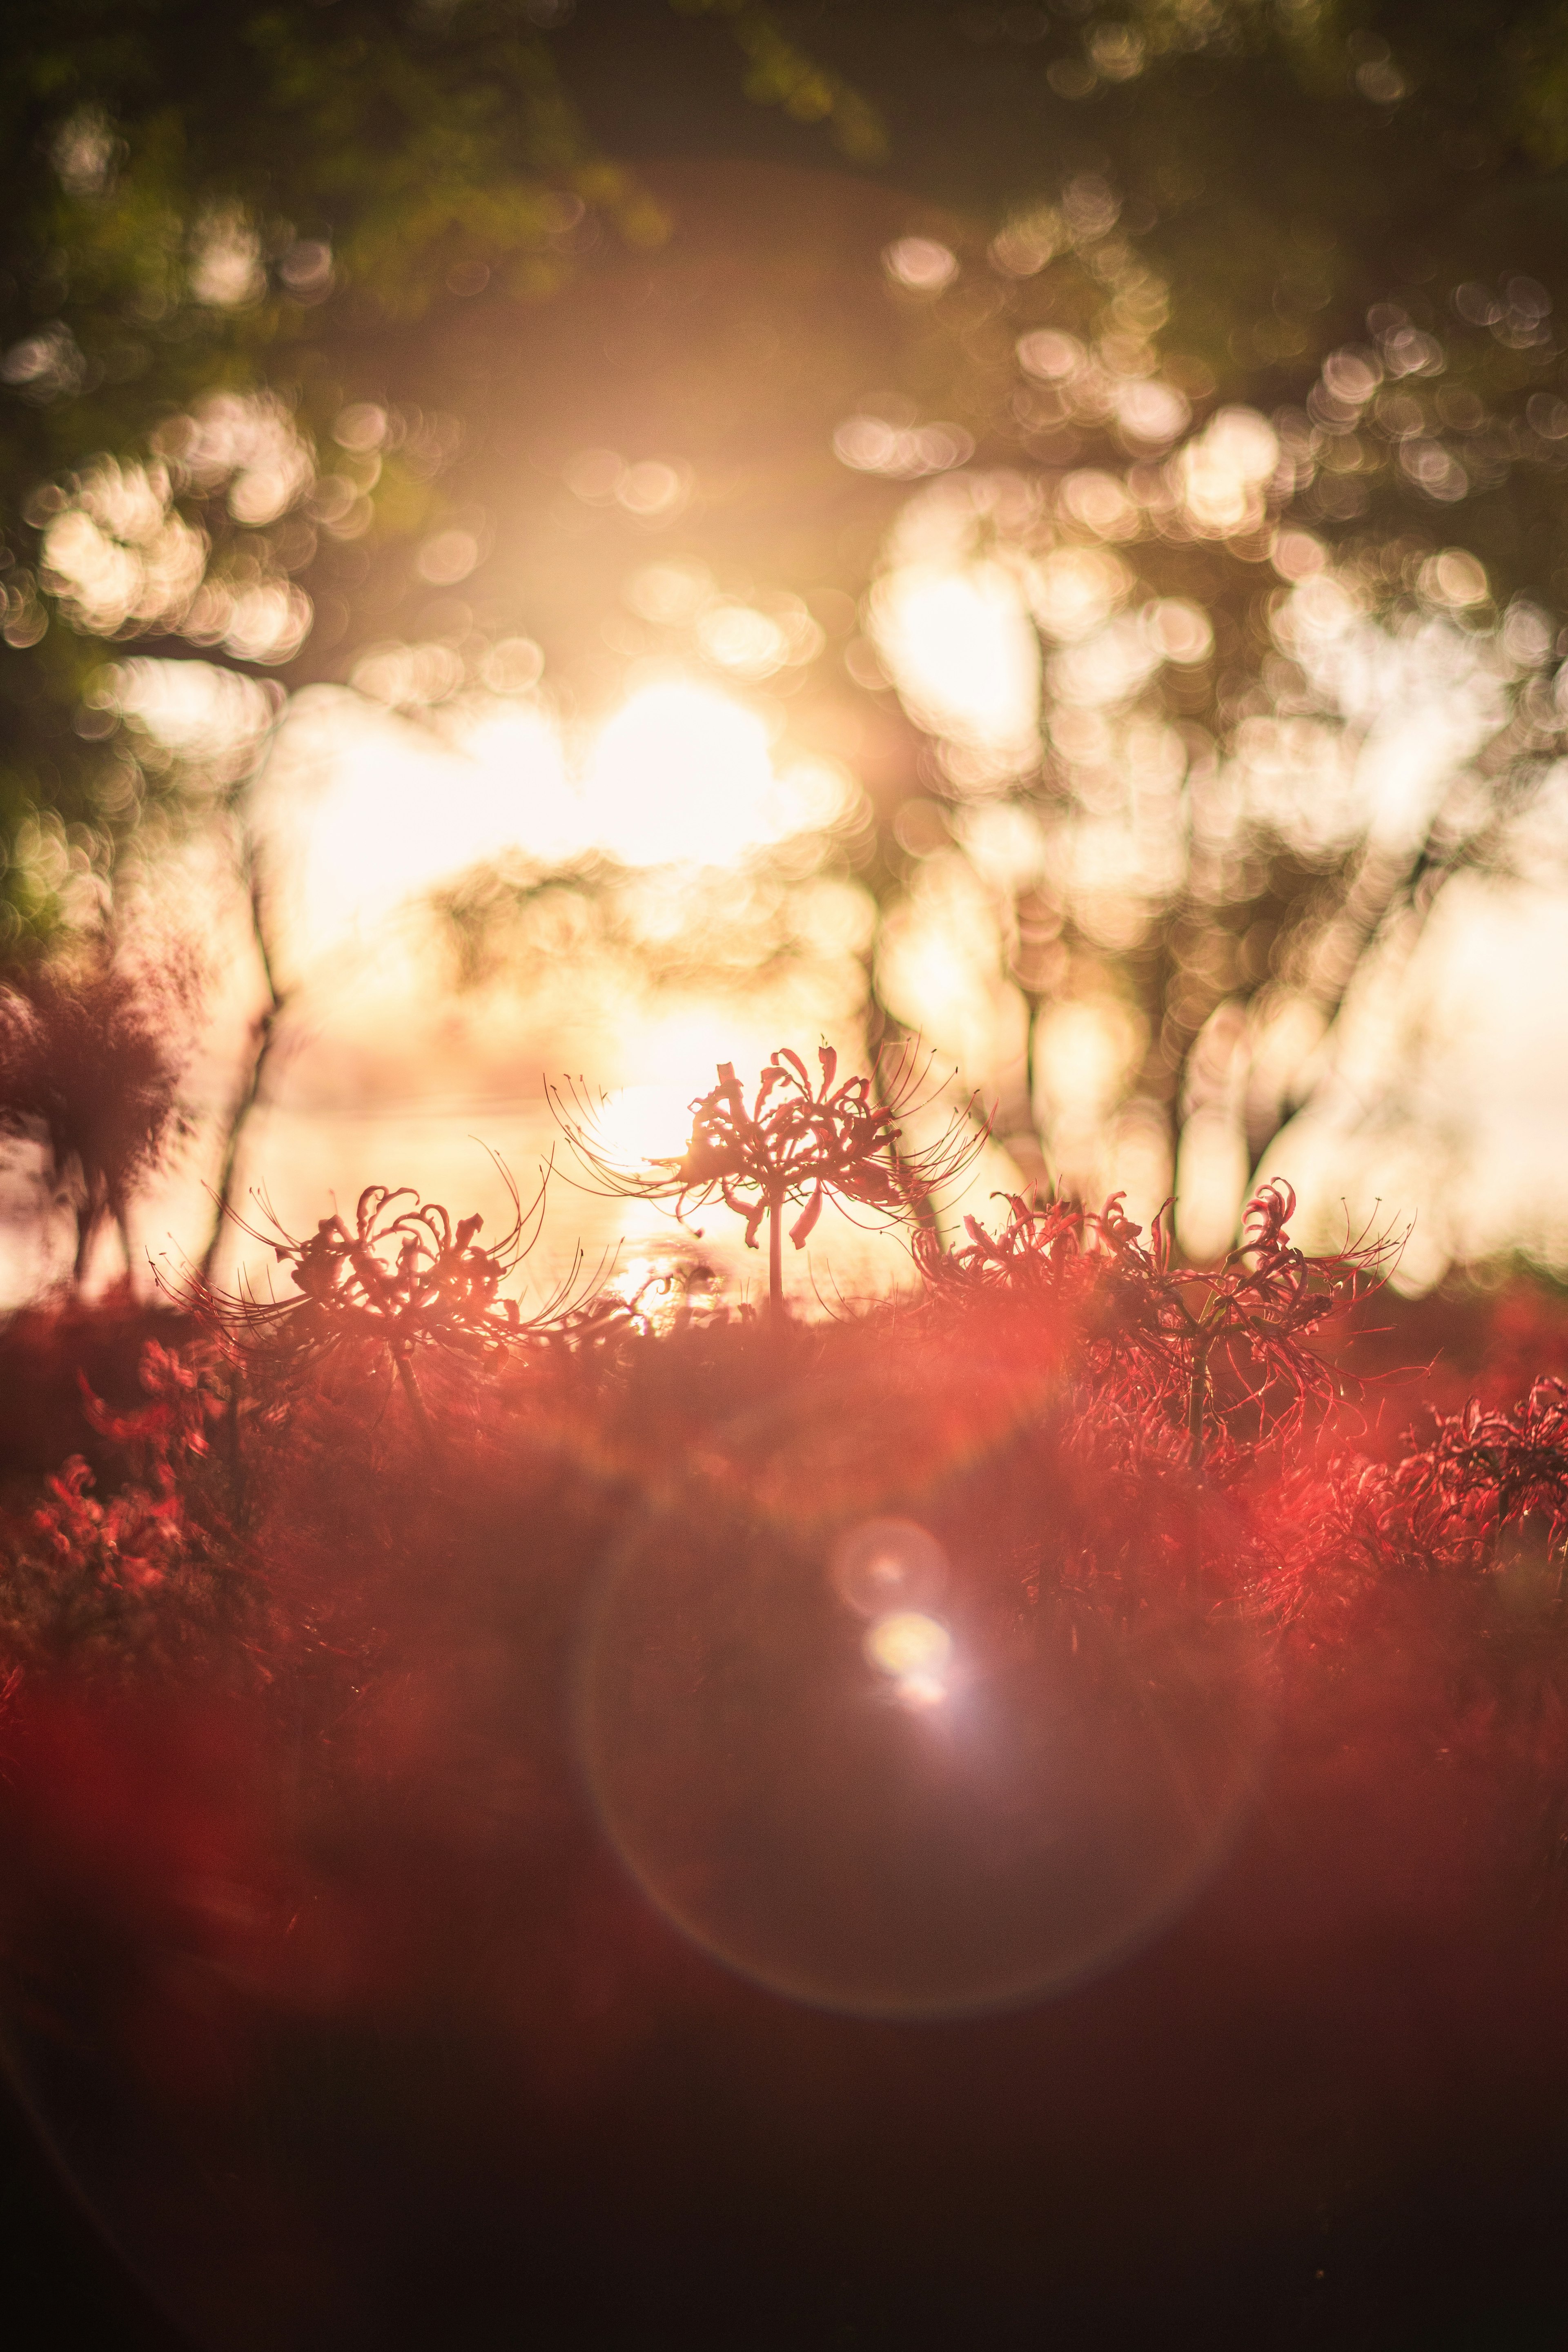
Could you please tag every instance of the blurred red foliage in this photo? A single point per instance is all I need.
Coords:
(1163, 1331)
(289, 1735)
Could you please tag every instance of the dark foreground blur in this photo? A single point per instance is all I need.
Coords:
(494, 1866)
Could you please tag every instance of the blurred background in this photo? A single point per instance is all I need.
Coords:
(605, 539)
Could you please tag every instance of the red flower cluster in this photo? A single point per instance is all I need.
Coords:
(1223, 1343)
(298, 1722)
(1488, 1495)
(403, 1280)
(155, 1564)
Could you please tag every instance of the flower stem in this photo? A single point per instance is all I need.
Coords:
(1197, 1401)
(415, 1404)
(775, 1263)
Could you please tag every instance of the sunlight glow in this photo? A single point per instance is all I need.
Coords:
(963, 651)
(366, 814)
(517, 749)
(652, 1119)
(681, 775)
(193, 710)
(372, 844)
(362, 814)
(646, 1122)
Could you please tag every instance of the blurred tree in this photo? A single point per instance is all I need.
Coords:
(1214, 354)
(1278, 400)
(223, 228)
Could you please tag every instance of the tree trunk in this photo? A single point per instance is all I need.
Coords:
(264, 1035)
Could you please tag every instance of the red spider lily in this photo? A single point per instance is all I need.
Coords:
(1488, 1469)
(154, 1557)
(406, 1280)
(92, 1053)
(174, 1423)
(130, 1540)
(1163, 1325)
(795, 1145)
(1488, 1492)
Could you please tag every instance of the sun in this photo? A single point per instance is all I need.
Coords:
(680, 774)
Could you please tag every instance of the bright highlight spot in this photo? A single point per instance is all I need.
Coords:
(920, 264)
(1224, 469)
(680, 775)
(913, 1650)
(646, 1123)
(1075, 589)
(871, 445)
(963, 652)
(1050, 355)
(652, 1119)
(345, 808)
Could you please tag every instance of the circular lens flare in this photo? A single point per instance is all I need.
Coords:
(885, 1564)
(866, 1805)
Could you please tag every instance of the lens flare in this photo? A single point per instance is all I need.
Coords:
(912, 1651)
(880, 1779)
(889, 1564)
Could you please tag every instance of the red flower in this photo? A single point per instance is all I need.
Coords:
(794, 1145)
(92, 1053)
(405, 1278)
(1167, 1328)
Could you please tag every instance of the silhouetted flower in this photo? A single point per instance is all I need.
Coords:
(1165, 1326)
(91, 1054)
(405, 1278)
(794, 1145)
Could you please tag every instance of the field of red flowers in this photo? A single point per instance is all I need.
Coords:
(1036, 1809)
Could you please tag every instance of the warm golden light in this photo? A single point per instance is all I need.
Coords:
(645, 1123)
(965, 656)
(652, 1119)
(362, 815)
(913, 1650)
(680, 775)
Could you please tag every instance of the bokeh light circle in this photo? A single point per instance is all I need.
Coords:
(901, 1768)
(880, 1564)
